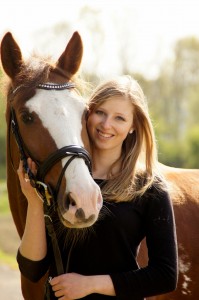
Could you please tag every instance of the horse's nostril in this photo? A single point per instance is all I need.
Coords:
(80, 214)
(72, 203)
(69, 201)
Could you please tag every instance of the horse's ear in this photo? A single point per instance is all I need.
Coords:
(71, 58)
(11, 56)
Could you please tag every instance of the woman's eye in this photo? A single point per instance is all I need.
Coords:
(99, 112)
(120, 118)
(27, 118)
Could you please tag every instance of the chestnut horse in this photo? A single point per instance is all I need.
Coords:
(47, 114)
(50, 119)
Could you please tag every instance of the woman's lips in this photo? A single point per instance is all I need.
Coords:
(104, 135)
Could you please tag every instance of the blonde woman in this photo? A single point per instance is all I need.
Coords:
(136, 206)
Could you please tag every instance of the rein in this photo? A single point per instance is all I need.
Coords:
(37, 181)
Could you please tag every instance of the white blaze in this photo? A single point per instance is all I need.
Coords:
(60, 112)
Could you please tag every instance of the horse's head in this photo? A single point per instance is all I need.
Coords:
(48, 114)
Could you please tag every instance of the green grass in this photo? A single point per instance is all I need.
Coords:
(4, 205)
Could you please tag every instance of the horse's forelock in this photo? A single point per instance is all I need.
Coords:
(33, 72)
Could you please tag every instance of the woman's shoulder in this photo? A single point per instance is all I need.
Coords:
(157, 192)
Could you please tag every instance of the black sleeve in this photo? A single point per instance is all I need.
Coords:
(160, 275)
(33, 270)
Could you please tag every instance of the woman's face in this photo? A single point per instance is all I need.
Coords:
(109, 124)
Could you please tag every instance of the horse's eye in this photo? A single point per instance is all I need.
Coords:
(27, 118)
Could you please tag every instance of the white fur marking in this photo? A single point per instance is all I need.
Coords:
(184, 267)
(61, 114)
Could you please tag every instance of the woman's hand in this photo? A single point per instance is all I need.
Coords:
(70, 286)
(26, 187)
(75, 286)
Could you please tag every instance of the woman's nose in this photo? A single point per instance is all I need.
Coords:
(106, 123)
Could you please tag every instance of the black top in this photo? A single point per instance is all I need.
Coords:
(110, 246)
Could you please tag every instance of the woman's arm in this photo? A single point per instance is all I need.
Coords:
(32, 254)
(161, 274)
(33, 245)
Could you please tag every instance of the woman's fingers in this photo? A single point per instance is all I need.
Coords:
(32, 166)
(20, 170)
(26, 187)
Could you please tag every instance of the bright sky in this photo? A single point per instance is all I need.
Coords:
(149, 29)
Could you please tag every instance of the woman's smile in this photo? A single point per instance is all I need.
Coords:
(104, 134)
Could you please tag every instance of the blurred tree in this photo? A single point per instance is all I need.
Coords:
(185, 79)
(93, 36)
(173, 101)
(45, 39)
(192, 144)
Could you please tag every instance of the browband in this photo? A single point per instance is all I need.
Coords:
(49, 86)
(52, 86)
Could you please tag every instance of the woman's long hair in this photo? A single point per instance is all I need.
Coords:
(139, 152)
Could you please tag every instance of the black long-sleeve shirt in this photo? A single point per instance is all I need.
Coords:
(110, 246)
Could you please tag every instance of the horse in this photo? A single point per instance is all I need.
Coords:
(29, 89)
(45, 115)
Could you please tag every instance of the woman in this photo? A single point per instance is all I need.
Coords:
(136, 205)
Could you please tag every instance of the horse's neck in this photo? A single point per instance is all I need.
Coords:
(17, 201)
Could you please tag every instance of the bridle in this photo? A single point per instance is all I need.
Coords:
(38, 180)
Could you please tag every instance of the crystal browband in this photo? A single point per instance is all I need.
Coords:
(52, 86)
(49, 86)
